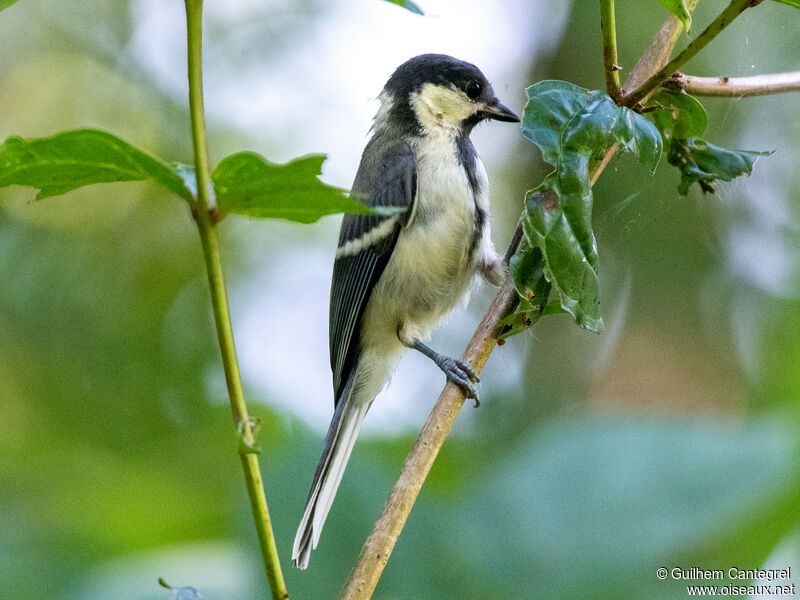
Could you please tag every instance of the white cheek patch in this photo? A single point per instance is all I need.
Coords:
(438, 106)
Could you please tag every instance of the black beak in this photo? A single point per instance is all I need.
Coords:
(499, 112)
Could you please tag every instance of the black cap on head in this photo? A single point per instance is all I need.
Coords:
(446, 71)
(438, 69)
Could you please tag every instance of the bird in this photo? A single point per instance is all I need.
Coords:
(399, 271)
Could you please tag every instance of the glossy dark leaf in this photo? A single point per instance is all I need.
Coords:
(703, 163)
(681, 122)
(526, 268)
(73, 159)
(682, 116)
(247, 184)
(573, 126)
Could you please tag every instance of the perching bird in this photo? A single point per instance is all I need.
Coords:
(396, 275)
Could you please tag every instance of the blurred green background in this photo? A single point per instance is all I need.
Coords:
(672, 440)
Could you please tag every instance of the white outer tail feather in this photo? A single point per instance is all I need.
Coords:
(321, 496)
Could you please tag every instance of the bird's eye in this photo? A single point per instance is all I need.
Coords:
(473, 89)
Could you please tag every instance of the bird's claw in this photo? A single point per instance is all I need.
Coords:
(472, 375)
(464, 377)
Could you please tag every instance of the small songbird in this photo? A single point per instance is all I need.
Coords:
(397, 274)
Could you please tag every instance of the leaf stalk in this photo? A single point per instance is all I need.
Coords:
(209, 240)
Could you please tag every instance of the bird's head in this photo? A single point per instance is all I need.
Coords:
(438, 91)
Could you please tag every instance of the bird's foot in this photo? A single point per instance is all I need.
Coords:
(462, 375)
(456, 371)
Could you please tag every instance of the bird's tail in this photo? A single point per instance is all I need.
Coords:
(339, 443)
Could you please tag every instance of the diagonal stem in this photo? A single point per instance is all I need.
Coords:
(658, 52)
(219, 301)
(729, 13)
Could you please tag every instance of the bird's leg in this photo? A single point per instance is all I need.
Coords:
(492, 267)
(456, 371)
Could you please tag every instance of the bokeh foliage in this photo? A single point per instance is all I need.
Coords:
(671, 440)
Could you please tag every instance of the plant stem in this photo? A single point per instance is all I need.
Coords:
(658, 52)
(737, 87)
(219, 301)
(733, 10)
(379, 545)
(608, 28)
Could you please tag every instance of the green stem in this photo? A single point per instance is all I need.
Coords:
(608, 28)
(219, 301)
(733, 10)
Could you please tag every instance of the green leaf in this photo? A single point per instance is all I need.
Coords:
(247, 184)
(702, 162)
(795, 3)
(573, 126)
(681, 122)
(408, 5)
(680, 10)
(72, 159)
(526, 269)
(682, 116)
(6, 3)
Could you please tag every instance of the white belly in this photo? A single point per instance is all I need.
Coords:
(433, 262)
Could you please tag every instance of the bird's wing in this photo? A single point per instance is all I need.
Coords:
(365, 245)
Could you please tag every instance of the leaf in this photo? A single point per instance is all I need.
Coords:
(6, 3)
(699, 161)
(683, 115)
(526, 269)
(408, 5)
(247, 184)
(680, 10)
(703, 162)
(795, 3)
(72, 159)
(572, 126)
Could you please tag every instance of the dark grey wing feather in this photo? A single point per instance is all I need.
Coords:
(385, 178)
